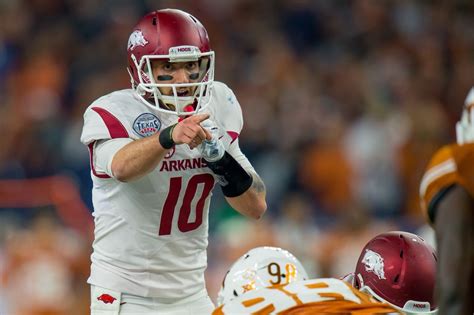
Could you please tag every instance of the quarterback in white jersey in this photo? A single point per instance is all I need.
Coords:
(157, 151)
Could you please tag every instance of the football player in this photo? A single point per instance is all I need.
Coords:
(447, 198)
(268, 280)
(398, 268)
(156, 152)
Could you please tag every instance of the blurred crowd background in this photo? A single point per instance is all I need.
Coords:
(344, 102)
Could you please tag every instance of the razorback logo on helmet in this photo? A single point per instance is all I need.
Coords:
(374, 263)
(136, 39)
(106, 298)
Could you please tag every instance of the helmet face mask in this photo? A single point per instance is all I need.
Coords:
(149, 91)
(398, 268)
(176, 37)
(259, 268)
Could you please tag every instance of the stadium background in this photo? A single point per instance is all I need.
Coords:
(343, 103)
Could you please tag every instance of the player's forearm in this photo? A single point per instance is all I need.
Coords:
(455, 246)
(244, 191)
(137, 159)
(252, 202)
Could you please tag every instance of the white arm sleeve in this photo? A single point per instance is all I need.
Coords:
(240, 157)
(104, 152)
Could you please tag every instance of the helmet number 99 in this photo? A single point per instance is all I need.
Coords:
(275, 270)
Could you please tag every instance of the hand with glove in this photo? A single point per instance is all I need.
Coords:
(232, 177)
(212, 150)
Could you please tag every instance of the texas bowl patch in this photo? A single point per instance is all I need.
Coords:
(146, 125)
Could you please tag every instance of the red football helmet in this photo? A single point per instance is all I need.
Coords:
(398, 268)
(174, 36)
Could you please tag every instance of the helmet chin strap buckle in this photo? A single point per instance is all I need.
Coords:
(359, 282)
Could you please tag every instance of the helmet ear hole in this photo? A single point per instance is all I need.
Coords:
(397, 277)
(192, 18)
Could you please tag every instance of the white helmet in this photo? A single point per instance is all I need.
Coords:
(465, 126)
(259, 268)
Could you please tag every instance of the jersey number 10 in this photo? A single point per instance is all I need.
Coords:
(185, 211)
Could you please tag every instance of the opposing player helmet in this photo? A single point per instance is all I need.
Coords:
(398, 268)
(258, 268)
(174, 36)
(465, 126)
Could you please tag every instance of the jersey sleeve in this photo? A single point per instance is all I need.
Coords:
(240, 157)
(104, 152)
(228, 113)
(464, 155)
(99, 124)
(441, 174)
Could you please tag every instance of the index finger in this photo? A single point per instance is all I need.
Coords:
(208, 134)
(200, 117)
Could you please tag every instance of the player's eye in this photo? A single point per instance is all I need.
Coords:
(191, 65)
(167, 66)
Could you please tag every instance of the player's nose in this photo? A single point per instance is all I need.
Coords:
(181, 76)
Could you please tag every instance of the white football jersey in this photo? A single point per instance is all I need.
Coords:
(151, 234)
(316, 296)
